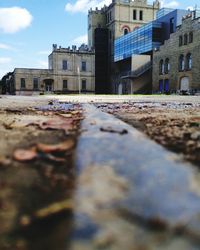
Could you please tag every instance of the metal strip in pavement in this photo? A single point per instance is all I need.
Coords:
(129, 172)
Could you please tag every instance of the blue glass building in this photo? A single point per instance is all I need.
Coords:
(150, 36)
(162, 12)
(139, 41)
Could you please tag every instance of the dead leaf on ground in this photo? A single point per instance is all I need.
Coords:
(114, 130)
(66, 115)
(64, 124)
(60, 147)
(8, 125)
(4, 161)
(43, 213)
(25, 154)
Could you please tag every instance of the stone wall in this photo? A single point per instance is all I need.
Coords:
(172, 50)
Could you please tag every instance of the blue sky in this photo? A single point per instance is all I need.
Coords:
(28, 28)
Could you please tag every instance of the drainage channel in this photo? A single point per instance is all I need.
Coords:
(131, 192)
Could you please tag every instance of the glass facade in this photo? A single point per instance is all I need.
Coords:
(162, 12)
(150, 36)
(140, 41)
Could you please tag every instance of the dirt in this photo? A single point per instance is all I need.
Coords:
(37, 176)
(176, 126)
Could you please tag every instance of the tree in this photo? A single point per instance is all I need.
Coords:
(6, 83)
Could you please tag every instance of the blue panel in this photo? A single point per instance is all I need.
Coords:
(161, 86)
(166, 85)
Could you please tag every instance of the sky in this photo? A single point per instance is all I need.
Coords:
(28, 28)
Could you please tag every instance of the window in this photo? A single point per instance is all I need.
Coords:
(125, 31)
(160, 86)
(23, 83)
(64, 64)
(134, 14)
(109, 18)
(64, 84)
(167, 66)
(83, 85)
(181, 63)
(83, 66)
(172, 25)
(189, 61)
(166, 85)
(180, 40)
(185, 39)
(191, 37)
(35, 83)
(141, 15)
(161, 67)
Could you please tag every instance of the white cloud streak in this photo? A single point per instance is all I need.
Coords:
(84, 5)
(5, 60)
(80, 40)
(14, 19)
(5, 46)
(44, 52)
(171, 4)
(43, 64)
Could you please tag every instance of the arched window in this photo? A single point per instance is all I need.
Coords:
(180, 40)
(125, 31)
(161, 67)
(185, 39)
(191, 37)
(189, 61)
(167, 66)
(181, 63)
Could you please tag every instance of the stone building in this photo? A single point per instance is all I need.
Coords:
(176, 65)
(71, 70)
(119, 18)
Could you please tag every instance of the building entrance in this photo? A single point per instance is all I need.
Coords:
(184, 85)
(48, 85)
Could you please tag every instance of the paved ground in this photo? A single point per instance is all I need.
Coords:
(56, 195)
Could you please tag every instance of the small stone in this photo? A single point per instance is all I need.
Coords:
(195, 135)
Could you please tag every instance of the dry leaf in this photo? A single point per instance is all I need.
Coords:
(4, 161)
(25, 154)
(54, 208)
(66, 115)
(60, 147)
(64, 124)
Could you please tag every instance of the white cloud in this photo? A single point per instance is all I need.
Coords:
(44, 52)
(171, 4)
(80, 40)
(5, 46)
(85, 5)
(43, 64)
(5, 60)
(14, 19)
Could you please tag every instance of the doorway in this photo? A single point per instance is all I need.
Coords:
(48, 85)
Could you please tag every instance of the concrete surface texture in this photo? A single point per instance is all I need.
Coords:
(74, 177)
